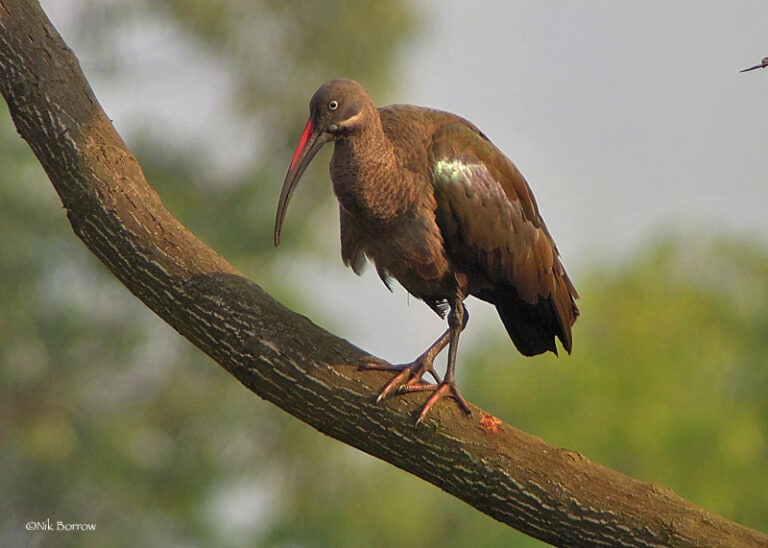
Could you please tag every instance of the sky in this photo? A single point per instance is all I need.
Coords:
(629, 120)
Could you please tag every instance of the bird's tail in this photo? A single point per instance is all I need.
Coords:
(533, 327)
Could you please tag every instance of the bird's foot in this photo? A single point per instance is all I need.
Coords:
(409, 378)
(445, 388)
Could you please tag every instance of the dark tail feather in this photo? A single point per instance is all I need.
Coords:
(533, 327)
(527, 326)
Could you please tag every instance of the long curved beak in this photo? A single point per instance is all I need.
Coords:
(312, 140)
(763, 64)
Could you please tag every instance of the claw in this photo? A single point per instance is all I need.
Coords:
(409, 376)
(438, 391)
(392, 384)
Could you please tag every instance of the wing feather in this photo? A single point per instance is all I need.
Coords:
(493, 230)
(352, 250)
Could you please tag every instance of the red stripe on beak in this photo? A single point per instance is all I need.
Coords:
(302, 143)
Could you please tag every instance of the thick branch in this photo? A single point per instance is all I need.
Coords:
(553, 494)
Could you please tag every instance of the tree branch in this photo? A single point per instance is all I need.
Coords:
(553, 494)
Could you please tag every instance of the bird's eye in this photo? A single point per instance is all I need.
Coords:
(333, 105)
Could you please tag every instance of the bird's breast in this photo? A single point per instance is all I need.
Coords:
(388, 215)
(408, 248)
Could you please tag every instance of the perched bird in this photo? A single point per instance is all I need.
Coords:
(763, 64)
(435, 205)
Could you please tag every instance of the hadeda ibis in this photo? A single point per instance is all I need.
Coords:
(427, 197)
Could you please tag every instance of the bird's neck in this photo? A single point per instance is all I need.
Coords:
(366, 177)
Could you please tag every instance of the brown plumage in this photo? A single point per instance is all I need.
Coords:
(435, 205)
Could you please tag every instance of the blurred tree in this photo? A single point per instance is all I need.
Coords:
(107, 416)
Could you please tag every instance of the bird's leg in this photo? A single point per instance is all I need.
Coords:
(412, 371)
(457, 321)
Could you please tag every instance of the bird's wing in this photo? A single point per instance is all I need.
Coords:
(352, 252)
(492, 226)
(352, 249)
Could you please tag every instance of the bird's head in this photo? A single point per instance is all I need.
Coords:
(337, 109)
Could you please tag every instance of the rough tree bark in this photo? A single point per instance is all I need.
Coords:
(553, 494)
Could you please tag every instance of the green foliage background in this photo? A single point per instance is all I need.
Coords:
(107, 416)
